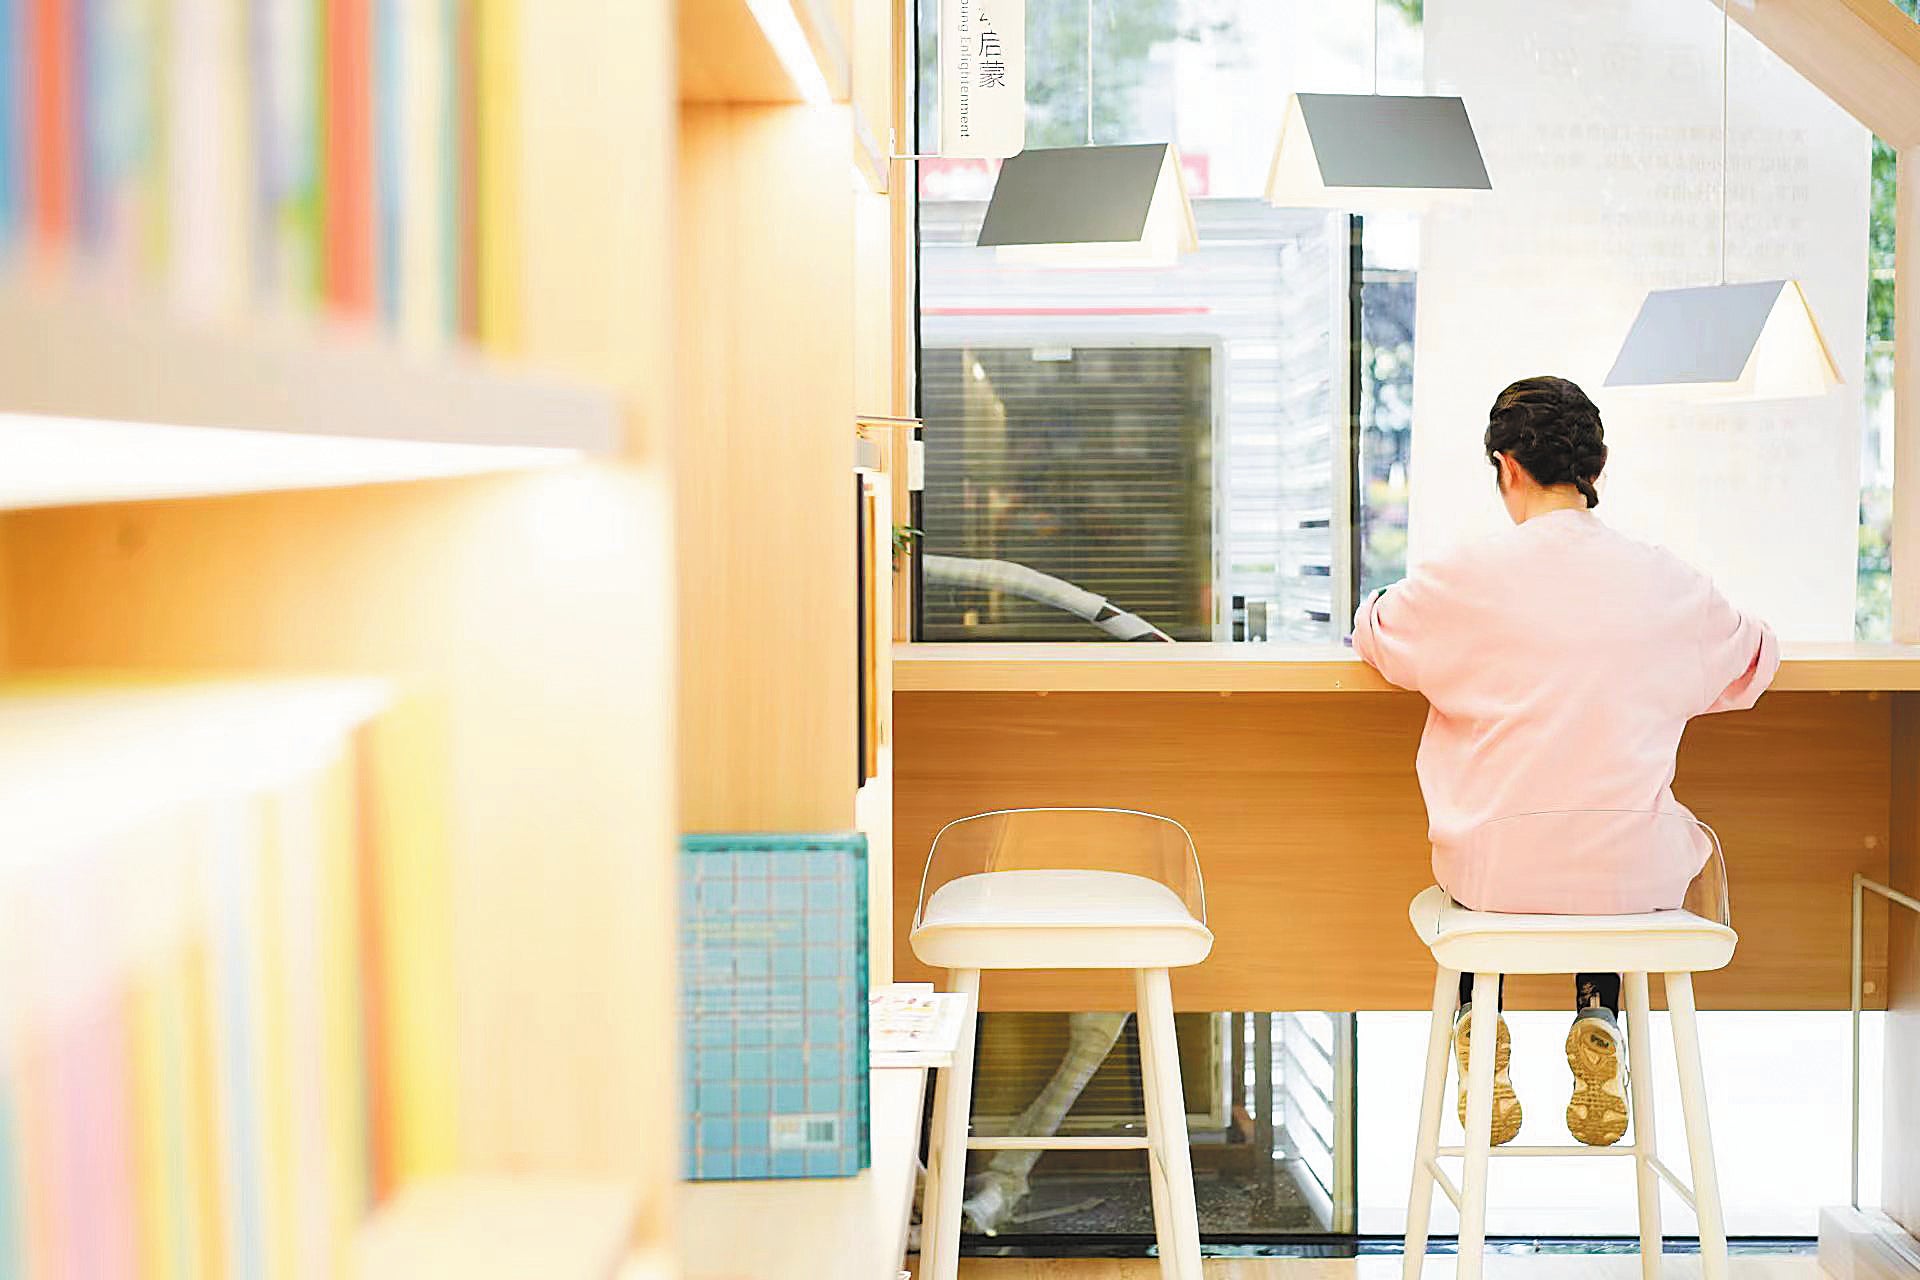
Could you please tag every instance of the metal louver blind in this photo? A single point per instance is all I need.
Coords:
(1092, 465)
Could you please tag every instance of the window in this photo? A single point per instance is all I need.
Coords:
(1176, 443)
(1089, 465)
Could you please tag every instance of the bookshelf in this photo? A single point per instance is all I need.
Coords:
(106, 400)
(444, 256)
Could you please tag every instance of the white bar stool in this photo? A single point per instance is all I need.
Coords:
(1677, 944)
(1065, 889)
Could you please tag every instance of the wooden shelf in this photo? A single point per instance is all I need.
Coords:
(84, 756)
(105, 399)
(726, 56)
(1276, 668)
(498, 1228)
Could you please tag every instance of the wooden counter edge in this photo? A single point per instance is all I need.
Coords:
(1229, 668)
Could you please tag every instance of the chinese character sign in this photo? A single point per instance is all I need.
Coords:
(983, 77)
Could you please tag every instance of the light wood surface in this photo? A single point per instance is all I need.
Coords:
(815, 1228)
(498, 1229)
(764, 471)
(1275, 668)
(1864, 54)
(1901, 1079)
(531, 606)
(1312, 834)
(1499, 1266)
(725, 57)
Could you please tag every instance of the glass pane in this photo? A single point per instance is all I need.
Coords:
(1779, 1086)
(1168, 443)
(1268, 1121)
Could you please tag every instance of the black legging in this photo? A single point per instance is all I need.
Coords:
(1590, 991)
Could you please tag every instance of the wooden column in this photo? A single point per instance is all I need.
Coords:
(763, 464)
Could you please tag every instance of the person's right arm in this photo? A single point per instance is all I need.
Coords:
(1389, 628)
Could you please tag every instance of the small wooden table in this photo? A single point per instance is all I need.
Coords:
(815, 1228)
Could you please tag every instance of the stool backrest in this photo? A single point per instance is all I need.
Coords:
(1066, 839)
(1602, 845)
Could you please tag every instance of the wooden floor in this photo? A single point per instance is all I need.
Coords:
(1498, 1267)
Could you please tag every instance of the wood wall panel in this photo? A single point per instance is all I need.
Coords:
(763, 468)
(1311, 832)
(1901, 1144)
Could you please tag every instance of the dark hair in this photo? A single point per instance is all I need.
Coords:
(1549, 427)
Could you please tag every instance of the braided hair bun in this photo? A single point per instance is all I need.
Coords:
(1551, 429)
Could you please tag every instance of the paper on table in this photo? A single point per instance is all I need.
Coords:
(912, 1025)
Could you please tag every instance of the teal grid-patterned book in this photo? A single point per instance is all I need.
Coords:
(773, 978)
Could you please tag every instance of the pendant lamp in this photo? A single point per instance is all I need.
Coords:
(1750, 341)
(1091, 206)
(1374, 150)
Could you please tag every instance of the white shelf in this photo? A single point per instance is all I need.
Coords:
(105, 400)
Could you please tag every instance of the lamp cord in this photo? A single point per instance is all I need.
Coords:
(1089, 72)
(1725, 22)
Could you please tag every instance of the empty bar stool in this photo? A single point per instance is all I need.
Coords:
(1065, 889)
(1677, 944)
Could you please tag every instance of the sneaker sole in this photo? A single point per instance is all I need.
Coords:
(1597, 1112)
(1506, 1103)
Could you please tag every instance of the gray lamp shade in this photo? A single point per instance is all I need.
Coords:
(1750, 341)
(1125, 202)
(1348, 150)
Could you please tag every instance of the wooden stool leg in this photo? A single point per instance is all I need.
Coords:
(947, 1148)
(1163, 1231)
(1484, 1035)
(1155, 995)
(1693, 1101)
(1640, 1090)
(1433, 1101)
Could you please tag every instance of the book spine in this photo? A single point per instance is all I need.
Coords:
(347, 198)
(50, 137)
(423, 169)
(497, 163)
(12, 115)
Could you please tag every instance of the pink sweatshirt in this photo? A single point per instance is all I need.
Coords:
(1561, 661)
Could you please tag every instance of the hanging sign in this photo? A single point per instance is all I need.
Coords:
(983, 77)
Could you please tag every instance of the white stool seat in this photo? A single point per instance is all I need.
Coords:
(1058, 920)
(1489, 942)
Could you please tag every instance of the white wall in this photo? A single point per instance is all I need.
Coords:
(1600, 127)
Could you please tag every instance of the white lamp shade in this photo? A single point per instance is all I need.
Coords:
(1750, 341)
(1374, 151)
(1123, 206)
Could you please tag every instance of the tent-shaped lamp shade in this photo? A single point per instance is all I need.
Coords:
(1750, 341)
(1091, 206)
(1374, 151)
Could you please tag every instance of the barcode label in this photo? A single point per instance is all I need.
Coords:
(804, 1133)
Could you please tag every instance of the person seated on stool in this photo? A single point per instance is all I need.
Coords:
(1561, 660)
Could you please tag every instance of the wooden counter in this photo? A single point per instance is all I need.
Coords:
(1310, 826)
(1286, 668)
